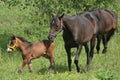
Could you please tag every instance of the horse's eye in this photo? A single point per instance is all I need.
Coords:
(56, 29)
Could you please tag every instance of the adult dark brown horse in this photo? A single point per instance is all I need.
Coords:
(107, 24)
(32, 51)
(78, 30)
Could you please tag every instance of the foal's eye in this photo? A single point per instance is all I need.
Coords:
(11, 43)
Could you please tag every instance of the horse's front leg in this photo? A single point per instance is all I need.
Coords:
(104, 43)
(92, 45)
(25, 61)
(91, 53)
(99, 37)
(88, 56)
(77, 57)
(68, 51)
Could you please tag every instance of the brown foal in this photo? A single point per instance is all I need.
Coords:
(31, 51)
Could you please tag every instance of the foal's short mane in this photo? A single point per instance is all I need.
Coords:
(23, 40)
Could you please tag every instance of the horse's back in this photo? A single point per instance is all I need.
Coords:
(82, 27)
(114, 15)
(42, 47)
(106, 19)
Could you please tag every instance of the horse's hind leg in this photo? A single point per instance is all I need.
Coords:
(110, 34)
(106, 39)
(104, 43)
(77, 57)
(68, 50)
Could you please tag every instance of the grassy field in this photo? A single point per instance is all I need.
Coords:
(104, 66)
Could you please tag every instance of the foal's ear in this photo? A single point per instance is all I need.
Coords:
(12, 36)
(61, 16)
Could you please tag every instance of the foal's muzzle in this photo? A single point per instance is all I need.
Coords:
(9, 50)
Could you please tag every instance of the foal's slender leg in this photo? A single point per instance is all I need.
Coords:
(52, 64)
(104, 43)
(68, 50)
(30, 66)
(25, 61)
(99, 37)
(77, 57)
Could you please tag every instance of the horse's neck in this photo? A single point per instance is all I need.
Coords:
(69, 23)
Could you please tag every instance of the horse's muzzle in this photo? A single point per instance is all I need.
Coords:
(51, 37)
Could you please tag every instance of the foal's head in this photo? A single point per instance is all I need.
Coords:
(13, 44)
(56, 26)
(16, 42)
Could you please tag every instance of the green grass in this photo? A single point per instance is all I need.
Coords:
(103, 67)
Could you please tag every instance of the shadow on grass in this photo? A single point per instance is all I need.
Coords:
(59, 69)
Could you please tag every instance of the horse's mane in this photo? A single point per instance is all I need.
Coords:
(79, 13)
(23, 40)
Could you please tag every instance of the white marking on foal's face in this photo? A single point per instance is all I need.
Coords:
(9, 50)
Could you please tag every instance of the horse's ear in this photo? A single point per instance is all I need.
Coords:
(61, 16)
(12, 36)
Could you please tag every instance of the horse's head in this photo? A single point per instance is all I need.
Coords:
(13, 44)
(56, 26)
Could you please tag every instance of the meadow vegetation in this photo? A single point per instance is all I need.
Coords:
(30, 19)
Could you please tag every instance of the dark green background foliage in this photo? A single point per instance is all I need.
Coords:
(31, 19)
(40, 10)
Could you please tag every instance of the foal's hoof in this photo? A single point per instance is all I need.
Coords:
(19, 71)
(51, 70)
(104, 51)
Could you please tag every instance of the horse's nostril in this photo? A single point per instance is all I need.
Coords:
(49, 37)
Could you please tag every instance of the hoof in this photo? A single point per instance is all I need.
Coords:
(81, 71)
(50, 70)
(88, 68)
(104, 51)
(97, 52)
(31, 71)
(19, 71)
